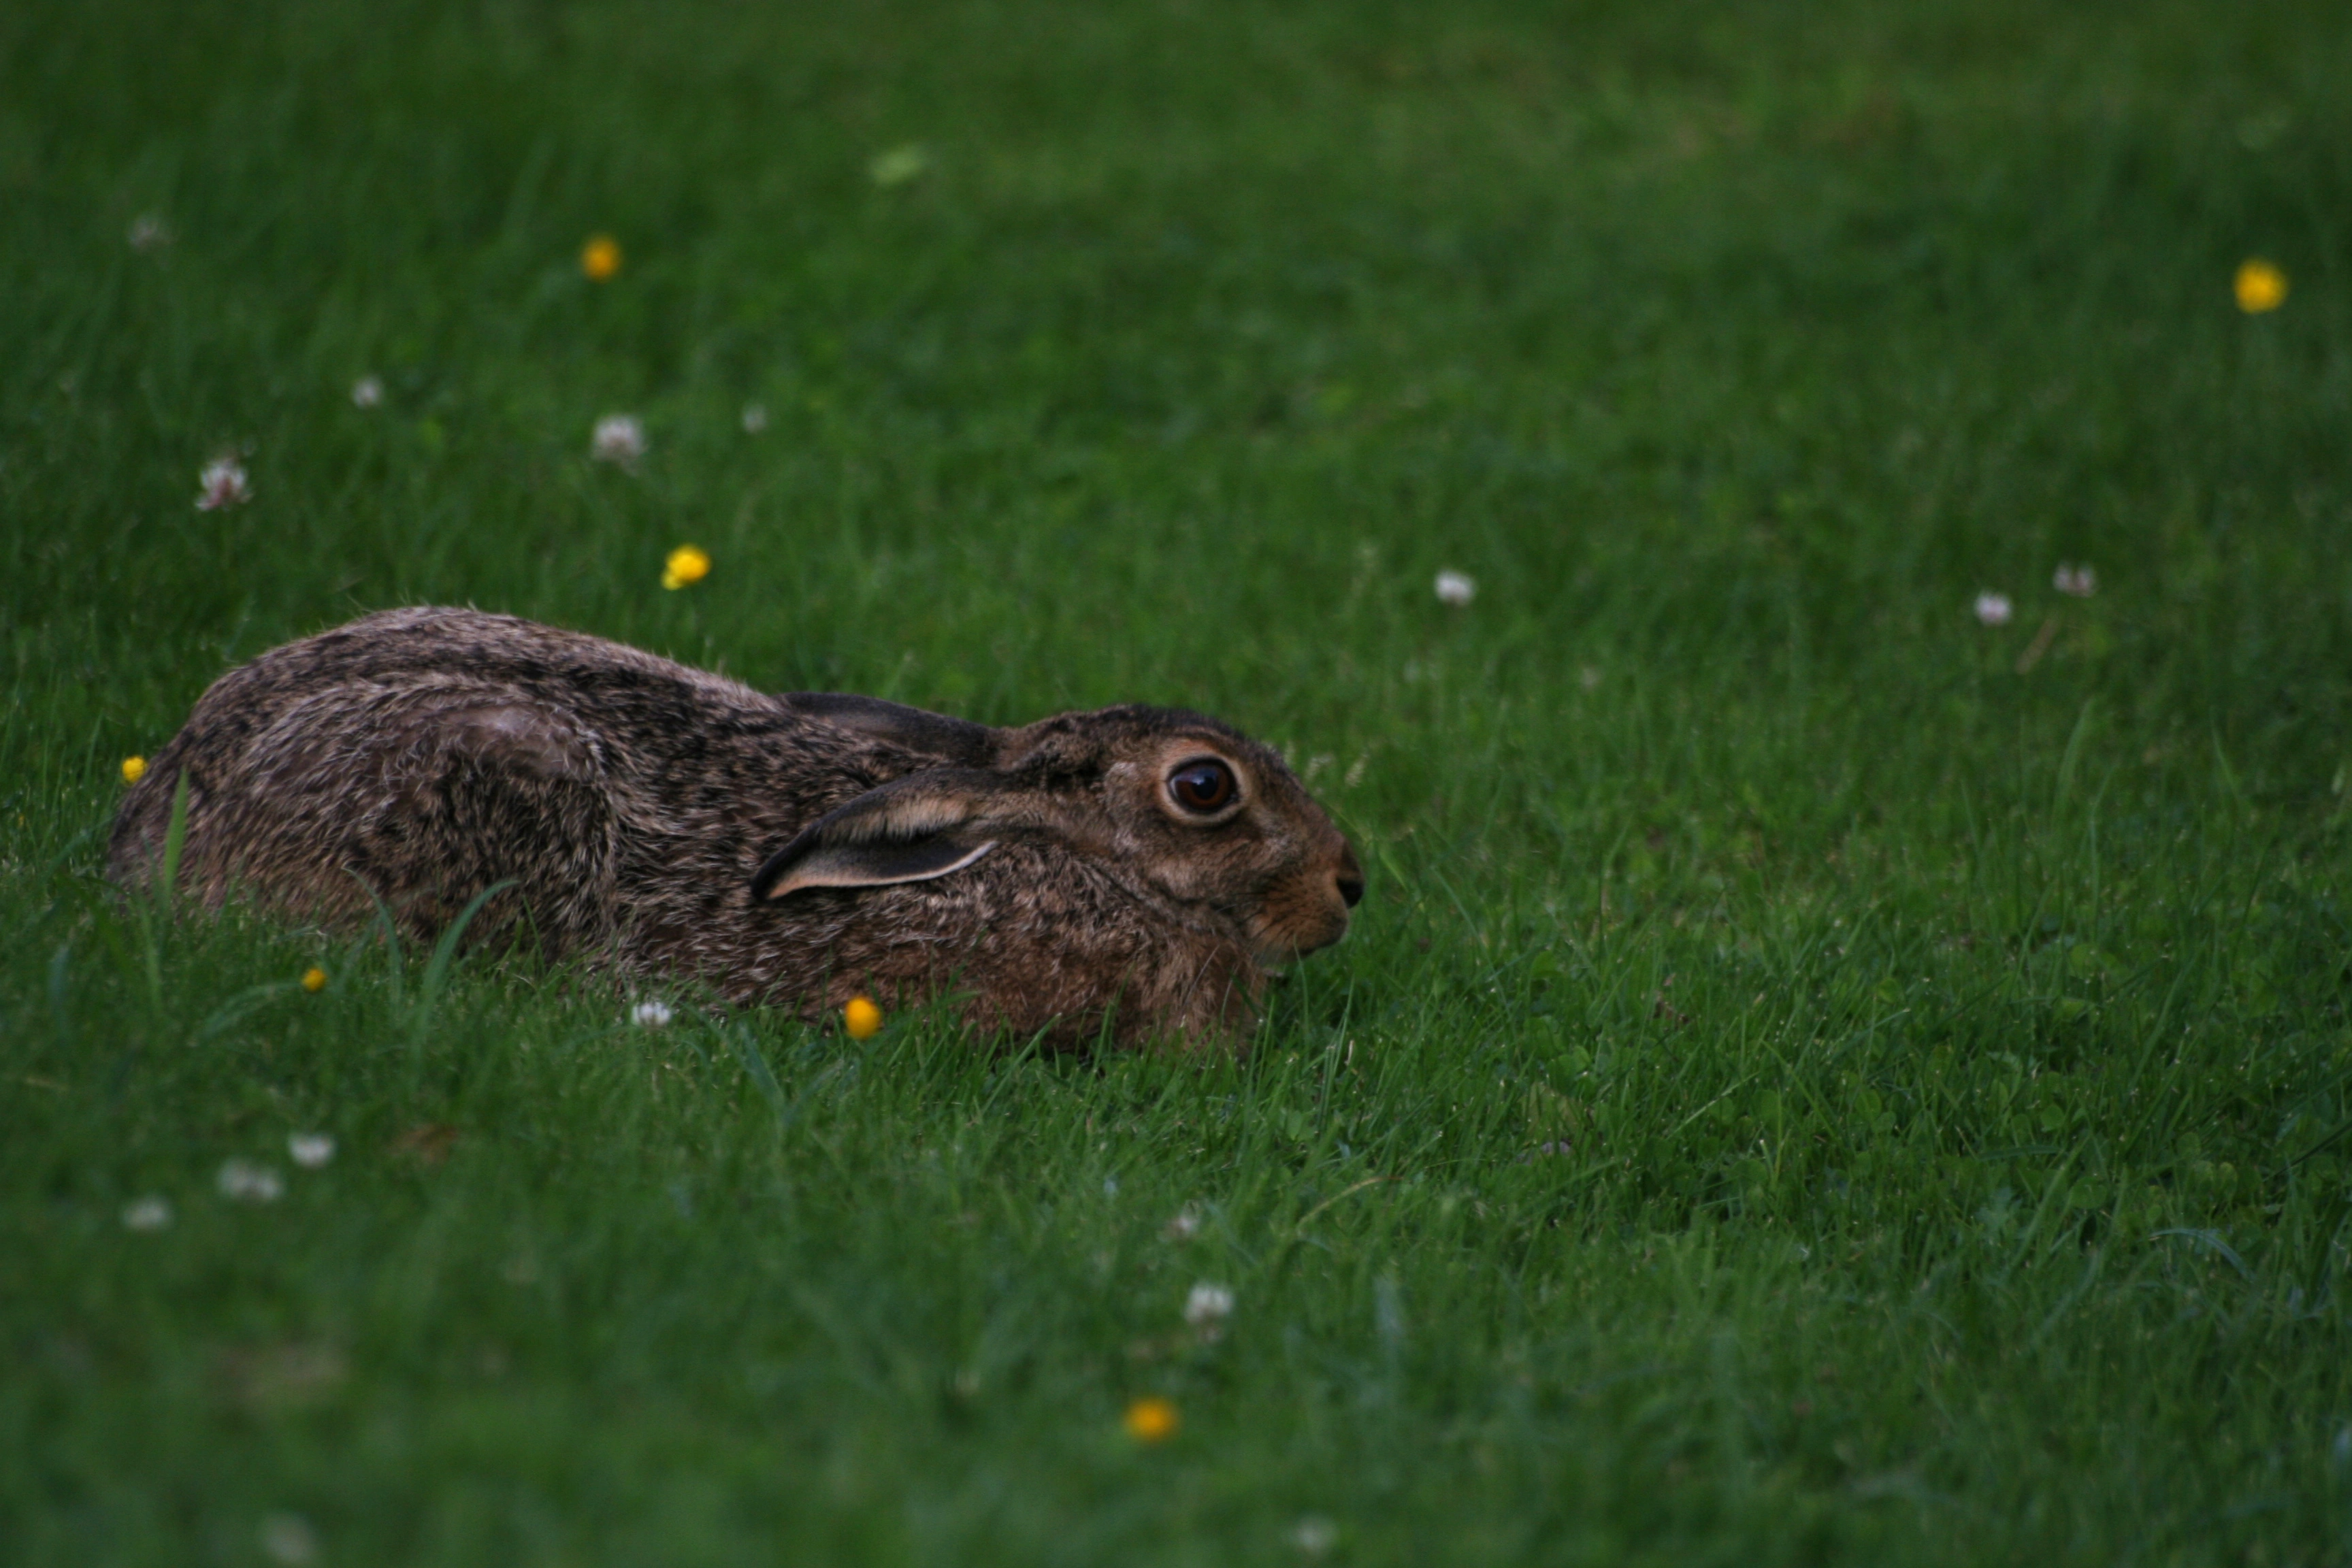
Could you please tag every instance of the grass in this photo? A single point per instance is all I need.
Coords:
(1816, 1078)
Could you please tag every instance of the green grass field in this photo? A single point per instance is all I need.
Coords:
(1817, 1078)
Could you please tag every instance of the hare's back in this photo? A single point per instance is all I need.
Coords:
(563, 669)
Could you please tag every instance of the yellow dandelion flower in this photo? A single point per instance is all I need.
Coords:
(2260, 287)
(314, 979)
(862, 1018)
(600, 257)
(1151, 1419)
(133, 769)
(687, 563)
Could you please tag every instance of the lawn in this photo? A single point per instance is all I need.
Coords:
(1820, 1075)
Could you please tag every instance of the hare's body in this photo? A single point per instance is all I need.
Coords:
(794, 850)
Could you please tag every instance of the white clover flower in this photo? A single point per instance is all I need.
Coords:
(149, 232)
(2078, 582)
(1993, 609)
(1455, 588)
(755, 418)
(1207, 1308)
(250, 1183)
(652, 1014)
(899, 164)
(619, 438)
(1183, 1227)
(367, 392)
(146, 1214)
(311, 1150)
(288, 1538)
(223, 484)
(1314, 1535)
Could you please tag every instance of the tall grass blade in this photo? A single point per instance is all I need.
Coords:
(437, 969)
(394, 974)
(241, 1006)
(157, 914)
(60, 1010)
(755, 1067)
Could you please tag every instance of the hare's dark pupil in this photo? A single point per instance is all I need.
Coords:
(1203, 788)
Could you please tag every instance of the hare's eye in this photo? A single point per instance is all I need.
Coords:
(1202, 787)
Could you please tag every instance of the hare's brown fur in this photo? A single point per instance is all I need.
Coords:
(419, 756)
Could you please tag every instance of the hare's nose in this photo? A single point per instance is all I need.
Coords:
(1351, 877)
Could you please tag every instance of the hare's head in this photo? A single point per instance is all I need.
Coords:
(1186, 812)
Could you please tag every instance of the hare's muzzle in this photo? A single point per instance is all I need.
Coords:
(1308, 910)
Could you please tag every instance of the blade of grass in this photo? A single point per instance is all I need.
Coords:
(156, 913)
(437, 969)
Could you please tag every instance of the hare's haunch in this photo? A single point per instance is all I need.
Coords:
(1143, 865)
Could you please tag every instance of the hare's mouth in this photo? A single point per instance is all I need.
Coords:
(1283, 937)
(1278, 961)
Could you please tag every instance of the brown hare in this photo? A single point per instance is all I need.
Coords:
(1135, 868)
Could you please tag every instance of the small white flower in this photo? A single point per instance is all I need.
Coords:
(652, 1014)
(899, 164)
(1993, 609)
(223, 483)
(149, 232)
(619, 438)
(311, 1150)
(250, 1183)
(367, 392)
(1589, 677)
(2079, 582)
(755, 418)
(1208, 1307)
(1183, 1227)
(146, 1214)
(288, 1538)
(1314, 1535)
(1455, 588)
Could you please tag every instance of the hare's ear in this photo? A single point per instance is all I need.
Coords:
(910, 830)
(935, 735)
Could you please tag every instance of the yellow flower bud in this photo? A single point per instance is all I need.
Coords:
(2260, 287)
(862, 1018)
(1151, 1419)
(687, 563)
(314, 979)
(600, 257)
(133, 769)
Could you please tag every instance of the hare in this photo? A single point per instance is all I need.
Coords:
(1135, 870)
